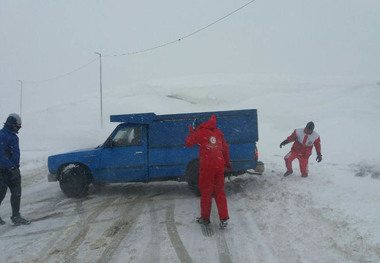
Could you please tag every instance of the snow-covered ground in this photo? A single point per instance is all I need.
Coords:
(331, 216)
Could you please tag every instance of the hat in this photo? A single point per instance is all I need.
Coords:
(14, 119)
(310, 126)
(13, 122)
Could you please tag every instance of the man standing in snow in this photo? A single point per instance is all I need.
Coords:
(213, 157)
(9, 167)
(304, 139)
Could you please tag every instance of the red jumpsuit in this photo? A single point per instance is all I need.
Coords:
(301, 149)
(213, 156)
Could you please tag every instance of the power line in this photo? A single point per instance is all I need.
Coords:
(143, 50)
(181, 38)
(220, 19)
(62, 75)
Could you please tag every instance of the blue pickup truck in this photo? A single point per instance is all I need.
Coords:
(148, 147)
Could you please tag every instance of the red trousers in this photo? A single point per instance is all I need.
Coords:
(303, 161)
(211, 182)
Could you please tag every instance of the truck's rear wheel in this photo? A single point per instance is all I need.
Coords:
(74, 181)
(192, 175)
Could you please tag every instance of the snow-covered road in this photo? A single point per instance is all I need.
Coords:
(273, 219)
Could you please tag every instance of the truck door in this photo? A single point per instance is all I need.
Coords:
(125, 156)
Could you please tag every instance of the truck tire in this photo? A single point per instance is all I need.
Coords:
(192, 175)
(74, 181)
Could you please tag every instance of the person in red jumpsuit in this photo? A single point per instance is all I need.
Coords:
(304, 139)
(213, 157)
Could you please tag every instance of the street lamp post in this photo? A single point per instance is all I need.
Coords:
(101, 90)
(20, 97)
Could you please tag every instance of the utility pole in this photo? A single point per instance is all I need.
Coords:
(20, 97)
(101, 90)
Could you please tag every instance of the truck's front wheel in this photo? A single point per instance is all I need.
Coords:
(74, 181)
(192, 175)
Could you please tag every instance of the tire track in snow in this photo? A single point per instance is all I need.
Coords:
(154, 245)
(223, 250)
(132, 210)
(51, 204)
(42, 213)
(57, 237)
(84, 227)
(66, 247)
(40, 232)
(175, 239)
(122, 226)
(5, 229)
(221, 243)
(257, 249)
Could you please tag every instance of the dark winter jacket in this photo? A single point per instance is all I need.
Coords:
(9, 149)
(213, 149)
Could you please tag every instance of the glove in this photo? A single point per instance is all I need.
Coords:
(15, 173)
(191, 129)
(319, 157)
(228, 166)
(284, 143)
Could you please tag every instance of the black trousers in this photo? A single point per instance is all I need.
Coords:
(14, 185)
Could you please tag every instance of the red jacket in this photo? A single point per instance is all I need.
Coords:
(213, 149)
(303, 142)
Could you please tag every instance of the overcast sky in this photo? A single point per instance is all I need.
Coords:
(42, 39)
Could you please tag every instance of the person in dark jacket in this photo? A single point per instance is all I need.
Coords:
(213, 157)
(304, 139)
(10, 176)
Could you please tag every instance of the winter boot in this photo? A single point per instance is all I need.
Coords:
(223, 223)
(2, 222)
(18, 220)
(304, 175)
(288, 173)
(202, 221)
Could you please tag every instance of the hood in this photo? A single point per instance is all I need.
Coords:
(77, 153)
(211, 124)
(13, 123)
